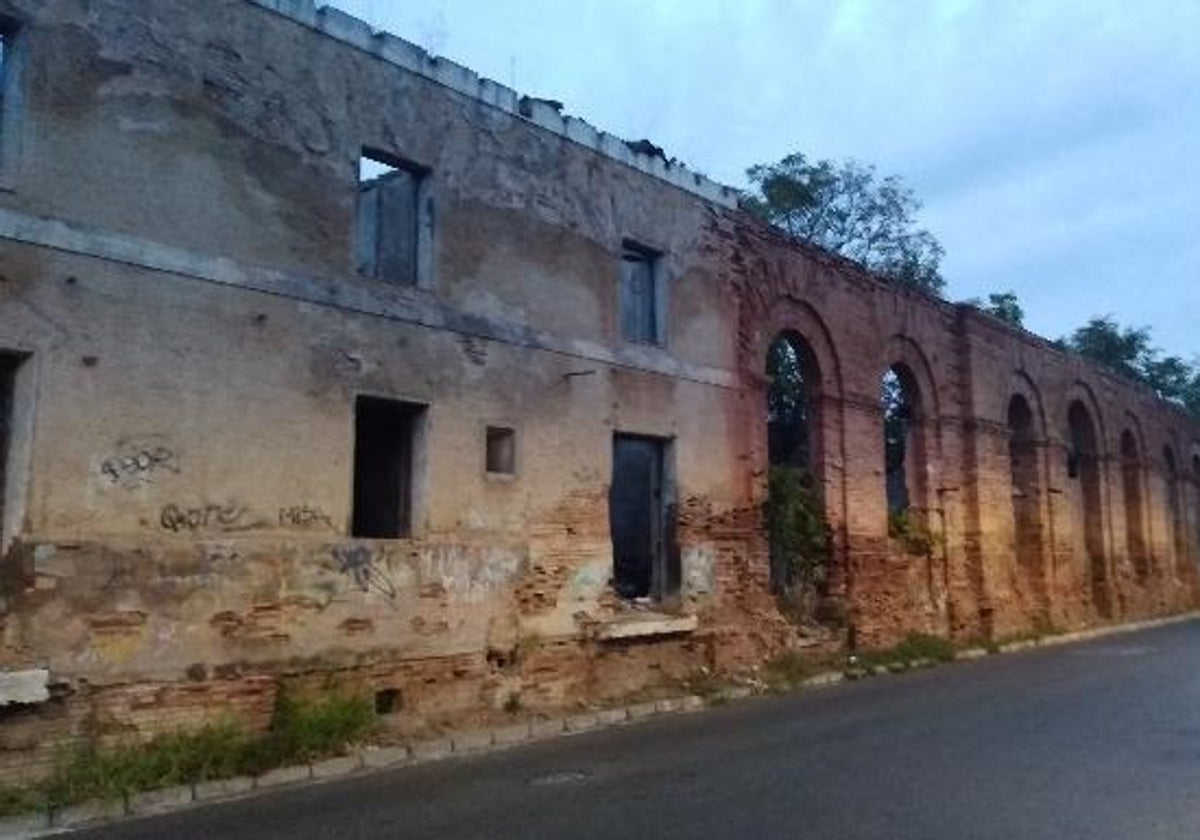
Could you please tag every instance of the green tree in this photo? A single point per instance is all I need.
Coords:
(845, 208)
(1006, 307)
(1105, 342)
(1129, 352)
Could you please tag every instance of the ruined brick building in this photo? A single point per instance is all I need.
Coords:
(320, 356)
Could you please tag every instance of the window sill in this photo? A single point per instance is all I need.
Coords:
(642, 625)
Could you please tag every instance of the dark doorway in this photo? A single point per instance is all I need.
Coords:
(638, 519)
(1026, 486)
(1131, 490)
(384, 441)
(1083, 465)
(8, 378)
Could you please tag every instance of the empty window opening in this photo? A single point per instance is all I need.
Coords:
(501, 453)
(903, 441)
(389, 219)
(796, 516)
(385, 434)
(8, 378)
(645, 562)
(1083, 462)
(1131, 490)
(641, 298)
(1026, 486)
(1175, 531)
(388, 701)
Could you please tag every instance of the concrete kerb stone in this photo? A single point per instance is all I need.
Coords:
(642, 710)
(331, 768)
(475, 741)
(284, 776)
(612, 717)
(87, 813)
(223, 788)
(435, 750)
(161, 801)
(823, 680)
(27, 825)
(515, 734)
(585, 722)
(547, 728)
(378, 758)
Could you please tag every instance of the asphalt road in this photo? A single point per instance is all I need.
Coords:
(1100, 740)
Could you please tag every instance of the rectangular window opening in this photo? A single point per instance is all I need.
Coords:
(9, 363)
(641, 519)
(8, 37)
(389, 218)
(640, 294)
(385, 433)
(501, 454)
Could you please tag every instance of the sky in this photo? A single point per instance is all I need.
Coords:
(1055, 145)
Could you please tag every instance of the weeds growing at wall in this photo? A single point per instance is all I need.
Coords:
(915, 647)
(799, 540)
(912, 533)
(302, 729)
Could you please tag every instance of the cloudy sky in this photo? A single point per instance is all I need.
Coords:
(1056, 145)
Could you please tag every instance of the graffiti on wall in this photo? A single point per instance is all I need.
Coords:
(139, 460)
(368, 571)
(305, 516)
(208, 517)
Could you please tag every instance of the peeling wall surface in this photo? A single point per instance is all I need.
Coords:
(188, 335)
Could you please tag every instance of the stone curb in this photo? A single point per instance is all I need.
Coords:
(167, 800)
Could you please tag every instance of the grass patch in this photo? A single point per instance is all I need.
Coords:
(790, 668)
(915, 646)
(301, 729)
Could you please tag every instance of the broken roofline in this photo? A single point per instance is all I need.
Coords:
(546, 114)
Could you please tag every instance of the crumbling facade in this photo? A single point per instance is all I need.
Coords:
(324, 358)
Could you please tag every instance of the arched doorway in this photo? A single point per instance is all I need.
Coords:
(1131, 492)
(796, 525)
(1083, 469)
(1026, 487)
(1175, 538)
(904, 444)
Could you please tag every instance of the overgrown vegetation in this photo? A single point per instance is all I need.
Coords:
(912, 533)
(302, 728)
(799, 539)
(790, 668)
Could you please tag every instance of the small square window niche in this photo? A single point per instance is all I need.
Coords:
(501, 450)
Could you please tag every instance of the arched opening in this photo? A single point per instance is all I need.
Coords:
(1174, 507)
(904, 449)
(799, 543)
(1083, 468)
(1196, 501)
(1026, 487)
(1131, 492)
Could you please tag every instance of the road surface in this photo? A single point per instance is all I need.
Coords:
(1098, 740)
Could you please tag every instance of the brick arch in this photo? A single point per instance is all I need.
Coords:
(1032, 524)
(795, 317)
(1131, 451)
(903, 351)
(1022, 385)
(1082, 392)
(1082, 417)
